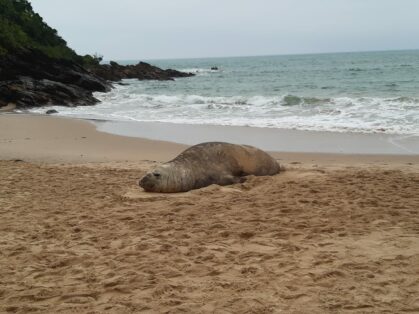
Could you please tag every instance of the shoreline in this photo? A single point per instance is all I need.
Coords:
(49, 139)
(43, 138)
(72, 212)
(270, 139)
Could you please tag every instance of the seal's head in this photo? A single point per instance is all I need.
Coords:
(153, 181)
(161, 179)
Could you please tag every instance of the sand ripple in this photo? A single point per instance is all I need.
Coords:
(76, 239)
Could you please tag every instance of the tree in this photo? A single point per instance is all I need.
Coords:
(22, 28)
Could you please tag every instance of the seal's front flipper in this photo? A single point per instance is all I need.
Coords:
(242, 179)
(229, 179)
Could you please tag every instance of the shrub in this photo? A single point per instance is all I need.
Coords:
(21, 28)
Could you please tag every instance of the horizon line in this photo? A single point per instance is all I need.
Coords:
(264, 55)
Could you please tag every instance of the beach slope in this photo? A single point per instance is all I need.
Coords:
(330, 234)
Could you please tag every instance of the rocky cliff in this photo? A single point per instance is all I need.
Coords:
(30, 78)
(37, 68)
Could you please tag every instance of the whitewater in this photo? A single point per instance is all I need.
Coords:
(376, 92)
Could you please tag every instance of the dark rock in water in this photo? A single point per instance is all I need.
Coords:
(51, 111)
(214, 68)
(141, 71)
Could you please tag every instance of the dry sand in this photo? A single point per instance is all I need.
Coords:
(331, 234)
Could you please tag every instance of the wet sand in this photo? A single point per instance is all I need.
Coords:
(331, 234)
(280, 140)
(49, 139)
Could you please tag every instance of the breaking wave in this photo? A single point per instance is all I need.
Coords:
(341, 114)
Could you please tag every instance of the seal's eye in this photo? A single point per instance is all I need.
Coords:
(156, 174)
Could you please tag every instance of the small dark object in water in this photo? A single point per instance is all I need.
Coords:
(214, 68)
(51, 111)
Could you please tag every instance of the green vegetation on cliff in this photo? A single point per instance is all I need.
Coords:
(21, 28)
(37, 68)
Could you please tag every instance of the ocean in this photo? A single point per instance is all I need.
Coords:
(364, 92)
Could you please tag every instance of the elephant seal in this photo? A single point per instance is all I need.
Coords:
(209, 163)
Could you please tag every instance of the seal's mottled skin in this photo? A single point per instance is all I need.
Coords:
(209, 163)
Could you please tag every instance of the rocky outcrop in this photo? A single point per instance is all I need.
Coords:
(27, 92)
(31, 79)
(141, 71)
(37, 65)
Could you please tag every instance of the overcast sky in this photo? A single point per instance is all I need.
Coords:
(140, 29)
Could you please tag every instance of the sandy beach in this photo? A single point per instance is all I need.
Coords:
(333, 233)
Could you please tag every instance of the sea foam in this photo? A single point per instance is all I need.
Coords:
(340, 114)
(373, 92)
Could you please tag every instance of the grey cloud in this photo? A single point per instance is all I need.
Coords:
(128, 29)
